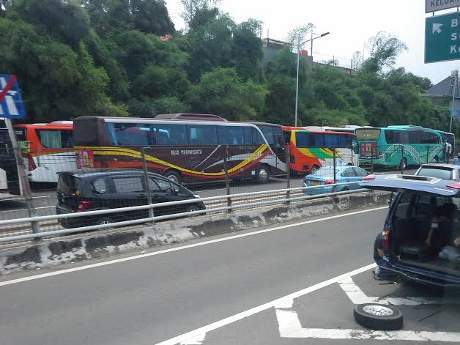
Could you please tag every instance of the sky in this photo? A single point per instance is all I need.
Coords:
(350, 22)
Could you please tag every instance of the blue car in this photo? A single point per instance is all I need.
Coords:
(421, 235)
(322, 180)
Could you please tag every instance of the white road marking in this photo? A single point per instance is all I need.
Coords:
(176, 249)
(290, 327)
(357, 296)
(197, 333)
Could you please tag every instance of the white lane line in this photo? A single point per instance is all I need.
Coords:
(189, 337)
(357, 296)
(176, 249)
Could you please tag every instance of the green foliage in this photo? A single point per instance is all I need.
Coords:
(221, 91)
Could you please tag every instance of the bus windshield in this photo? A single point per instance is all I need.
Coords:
(306, 139)
(371, 134)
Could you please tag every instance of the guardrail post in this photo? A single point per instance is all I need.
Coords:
(334, 162)
(23, 180)
(148, 192)
(227, 180)
(288, 172)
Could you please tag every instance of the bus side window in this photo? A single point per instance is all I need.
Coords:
(201, 135)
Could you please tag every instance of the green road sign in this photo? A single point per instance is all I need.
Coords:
(442, 37)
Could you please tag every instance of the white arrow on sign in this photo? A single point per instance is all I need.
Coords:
(437, 28)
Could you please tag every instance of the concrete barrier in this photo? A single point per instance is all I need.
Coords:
(48, 253)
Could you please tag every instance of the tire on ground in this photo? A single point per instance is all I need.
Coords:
(378, 316)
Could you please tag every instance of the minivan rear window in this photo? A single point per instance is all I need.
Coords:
(67, 184)
(442, 173)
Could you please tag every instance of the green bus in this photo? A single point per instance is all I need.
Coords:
(400, 146)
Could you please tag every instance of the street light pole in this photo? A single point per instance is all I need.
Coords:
(297, 85)
(299, 45)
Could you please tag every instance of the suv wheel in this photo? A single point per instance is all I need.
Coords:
(104, 221)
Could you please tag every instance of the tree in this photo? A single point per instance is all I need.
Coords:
(246, 49)
(192, 7)
(384, 50)
(63, 20)
(222, 92)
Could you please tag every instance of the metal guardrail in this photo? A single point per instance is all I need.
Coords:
(234, 203)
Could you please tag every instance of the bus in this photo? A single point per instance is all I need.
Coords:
(400, 146)
(47, 149)
(9, 178)
(310, 150)
(185, 151)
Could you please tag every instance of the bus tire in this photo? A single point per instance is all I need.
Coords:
(263, 174)
(173, 176)
(403, 164)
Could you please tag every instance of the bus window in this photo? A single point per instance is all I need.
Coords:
(429, 138)
(231, 135)
(201, 135)
(273, 134)
(169, 134)
(55, 139)
(131, 134)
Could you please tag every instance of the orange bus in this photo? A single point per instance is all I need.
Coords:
(309, 150)
(47, 149)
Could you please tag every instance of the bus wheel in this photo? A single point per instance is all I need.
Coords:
(173, 176)
(403, 164)
(263, 175)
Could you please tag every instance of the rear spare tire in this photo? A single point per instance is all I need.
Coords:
(378, 316)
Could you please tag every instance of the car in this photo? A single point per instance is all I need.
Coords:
(79, 191)
(421, 234)
(442, 171)
(347, 178)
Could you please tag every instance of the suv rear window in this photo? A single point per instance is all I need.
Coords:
(128, 184)
(442, 173)
(67, 184)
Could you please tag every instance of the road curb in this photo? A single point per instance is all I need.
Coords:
(89, 246)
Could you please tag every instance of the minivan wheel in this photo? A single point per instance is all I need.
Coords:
(378, 316)
(173, 176)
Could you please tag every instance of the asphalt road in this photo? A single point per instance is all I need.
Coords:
(153, 298)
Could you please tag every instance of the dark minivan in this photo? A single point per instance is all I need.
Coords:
(79, 191)
(421, 235)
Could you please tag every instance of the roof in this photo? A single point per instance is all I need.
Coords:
(399, 183)
(441, 165)
(443, 89)
(103, 172)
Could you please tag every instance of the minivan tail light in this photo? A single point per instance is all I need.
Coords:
(386, 239)
(328, 181)
(84, 205)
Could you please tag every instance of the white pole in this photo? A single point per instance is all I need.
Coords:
(454, 90)
(297, 84)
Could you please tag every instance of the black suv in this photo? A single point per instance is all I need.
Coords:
(79, 191)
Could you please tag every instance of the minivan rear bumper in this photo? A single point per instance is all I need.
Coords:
(419, 274)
